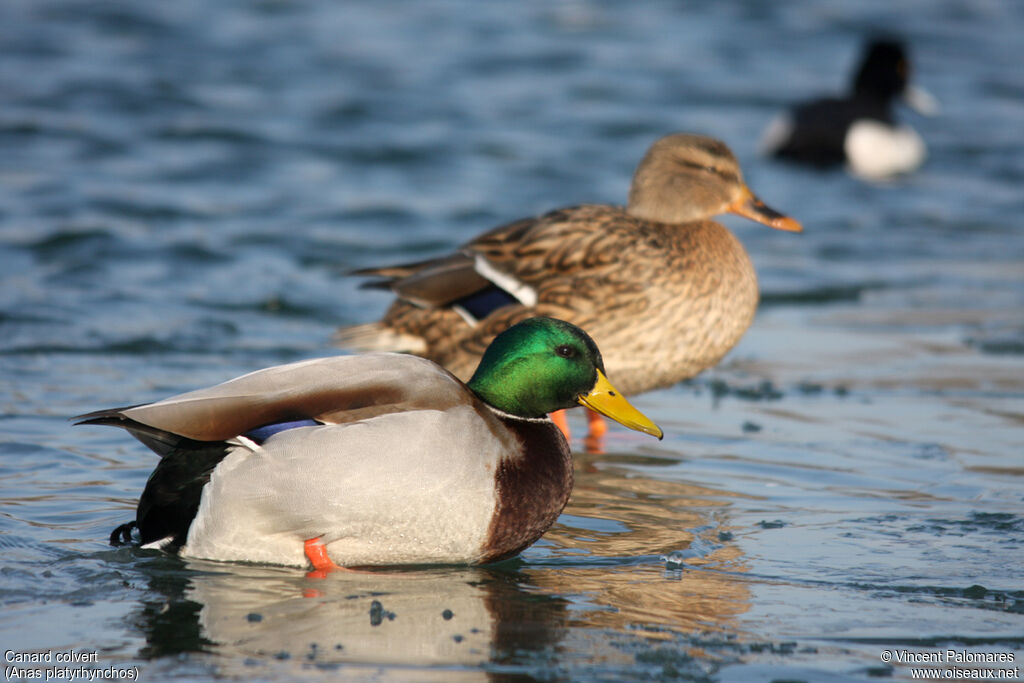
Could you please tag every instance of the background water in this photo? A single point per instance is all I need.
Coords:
(183, 186)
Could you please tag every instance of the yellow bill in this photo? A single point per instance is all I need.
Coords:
(606, 399)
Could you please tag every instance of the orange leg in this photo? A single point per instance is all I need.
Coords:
(597, 425)
(560, 420)
(597, 428)
(323, 565)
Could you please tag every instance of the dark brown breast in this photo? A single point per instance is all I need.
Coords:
(531, 489)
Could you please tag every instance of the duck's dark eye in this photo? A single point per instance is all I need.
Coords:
(565, 351)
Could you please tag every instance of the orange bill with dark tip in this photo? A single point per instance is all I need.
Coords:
(750, 206)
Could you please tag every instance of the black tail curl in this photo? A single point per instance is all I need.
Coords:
(122, 535)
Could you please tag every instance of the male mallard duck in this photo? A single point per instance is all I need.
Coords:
(859, 129)
(379, 459)
(664, 290)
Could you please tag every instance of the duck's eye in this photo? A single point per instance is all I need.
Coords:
(565, 351)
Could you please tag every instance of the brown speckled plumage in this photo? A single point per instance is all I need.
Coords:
(664, 291)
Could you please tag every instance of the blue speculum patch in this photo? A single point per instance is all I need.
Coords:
(486, 301)
(261, 434)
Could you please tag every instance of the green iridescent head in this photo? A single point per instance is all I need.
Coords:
(542, 365)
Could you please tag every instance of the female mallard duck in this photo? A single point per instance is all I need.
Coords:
(664, 290)
(860, 128)
(379, 459)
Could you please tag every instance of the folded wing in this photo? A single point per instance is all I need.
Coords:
(329, 390)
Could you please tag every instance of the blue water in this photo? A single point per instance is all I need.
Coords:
(183, 187)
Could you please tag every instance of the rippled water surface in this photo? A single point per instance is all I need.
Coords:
(183, 187)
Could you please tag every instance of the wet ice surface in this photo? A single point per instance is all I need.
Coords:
(183, 186)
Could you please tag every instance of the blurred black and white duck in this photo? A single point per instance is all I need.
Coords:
(859, 129)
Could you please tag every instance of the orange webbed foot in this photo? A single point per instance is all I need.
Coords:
(316, 552)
